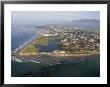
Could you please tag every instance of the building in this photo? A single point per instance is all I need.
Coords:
(58, 52)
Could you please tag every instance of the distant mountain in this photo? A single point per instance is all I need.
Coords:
(87, 20)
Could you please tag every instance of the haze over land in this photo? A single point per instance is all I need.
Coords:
(51, 17)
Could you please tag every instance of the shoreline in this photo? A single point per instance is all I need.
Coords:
(50, 54)
(75, 55)
(49, 60)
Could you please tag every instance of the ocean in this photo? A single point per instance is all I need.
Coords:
(81, 67)
(85, 67)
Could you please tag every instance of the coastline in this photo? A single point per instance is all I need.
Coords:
(51, 54)
(53, 60)
(56, 55)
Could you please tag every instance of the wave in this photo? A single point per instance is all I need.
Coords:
(16, 59)
(22, 60)
(34, 61)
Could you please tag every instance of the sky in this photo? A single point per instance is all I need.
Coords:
(29, 17)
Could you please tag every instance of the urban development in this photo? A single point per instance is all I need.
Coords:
(71, 41)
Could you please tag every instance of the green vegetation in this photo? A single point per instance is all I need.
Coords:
(29, 50)
(70, 49)
(41, 41)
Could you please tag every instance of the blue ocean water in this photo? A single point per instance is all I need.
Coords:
(20, 34)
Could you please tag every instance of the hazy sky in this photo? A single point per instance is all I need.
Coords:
(40, 16)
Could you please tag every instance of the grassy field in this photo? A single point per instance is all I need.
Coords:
(31, 49)
(41, 41)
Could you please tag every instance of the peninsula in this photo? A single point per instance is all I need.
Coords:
(70, 42)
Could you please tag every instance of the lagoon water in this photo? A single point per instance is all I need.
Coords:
(83, 67)
(53, 45)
